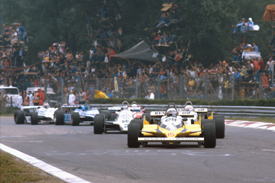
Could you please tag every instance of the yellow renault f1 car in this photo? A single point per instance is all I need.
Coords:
(171, 128)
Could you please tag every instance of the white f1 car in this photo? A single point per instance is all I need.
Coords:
(35, 114)
(75, 114)
(116, 118)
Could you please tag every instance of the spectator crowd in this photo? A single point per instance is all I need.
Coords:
(76, 76)
(12, 42)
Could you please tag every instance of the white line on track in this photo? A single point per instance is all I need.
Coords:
(65, 176)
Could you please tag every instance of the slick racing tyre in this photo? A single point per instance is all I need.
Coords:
(204, 121)
(75, 119)
(220, 126)
(34, 118)
(98, 124)
(138, 121)
(59, 117)
(132, 135)
(209, 133)
(19, 117)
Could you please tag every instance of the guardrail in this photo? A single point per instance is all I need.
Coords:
(227, 111)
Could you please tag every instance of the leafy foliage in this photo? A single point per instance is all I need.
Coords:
(207, 24)
(245, 102)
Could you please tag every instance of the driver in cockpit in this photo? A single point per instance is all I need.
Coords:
(172, 112)
(46, 105)
(124, 107)
(84, 108)
(171, 120)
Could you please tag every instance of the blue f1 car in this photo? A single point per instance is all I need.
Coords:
(75, 114)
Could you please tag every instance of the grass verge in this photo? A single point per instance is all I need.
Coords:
(8, 112)
(15, 170)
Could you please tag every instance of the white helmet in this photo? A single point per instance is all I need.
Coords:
(189, 108)
(172, 112)
(46, 105)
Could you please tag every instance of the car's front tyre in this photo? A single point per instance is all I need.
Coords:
(34, 118)
(132, 135)
(220, 126)
(209, 133)
(98, 124)
(59, 117)
(75, 119)
(19, 117)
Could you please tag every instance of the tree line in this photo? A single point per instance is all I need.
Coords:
(206, 23)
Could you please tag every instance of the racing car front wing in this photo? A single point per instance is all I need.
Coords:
(161, 139)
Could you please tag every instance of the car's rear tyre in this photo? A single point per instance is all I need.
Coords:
(138, 121)
(59, 117)
(204, 121)
(113, 116)
(132, 135)
(98, 124)
(220, 126)
(34, 118)
(209, 133)
(19, 117)
(75, 119)
(147, 117)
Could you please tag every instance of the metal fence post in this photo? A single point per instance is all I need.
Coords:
(97, 83)
(168, 84)
(158, 90)
(273, 75)
(205, 87)
(233, 87)
(137, 83)
(181, 86)
(62, 90)
(261, 86)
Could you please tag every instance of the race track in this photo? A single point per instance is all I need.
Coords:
(245, 155)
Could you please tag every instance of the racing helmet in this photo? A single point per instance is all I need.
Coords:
(84, 107)
(189, 108)
(46, 105)
(124, 107)
(172, 112)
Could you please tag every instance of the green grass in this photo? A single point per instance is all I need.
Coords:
(9, 111)
(261, 119)
(14, 170)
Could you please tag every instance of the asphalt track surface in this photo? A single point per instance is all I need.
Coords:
(245, 155)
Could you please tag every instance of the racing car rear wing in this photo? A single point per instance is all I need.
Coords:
(157, 113)
(163, 113)
(116, 109)
(186, 114)
(30, 107)
(71, 106)
(201, 110)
